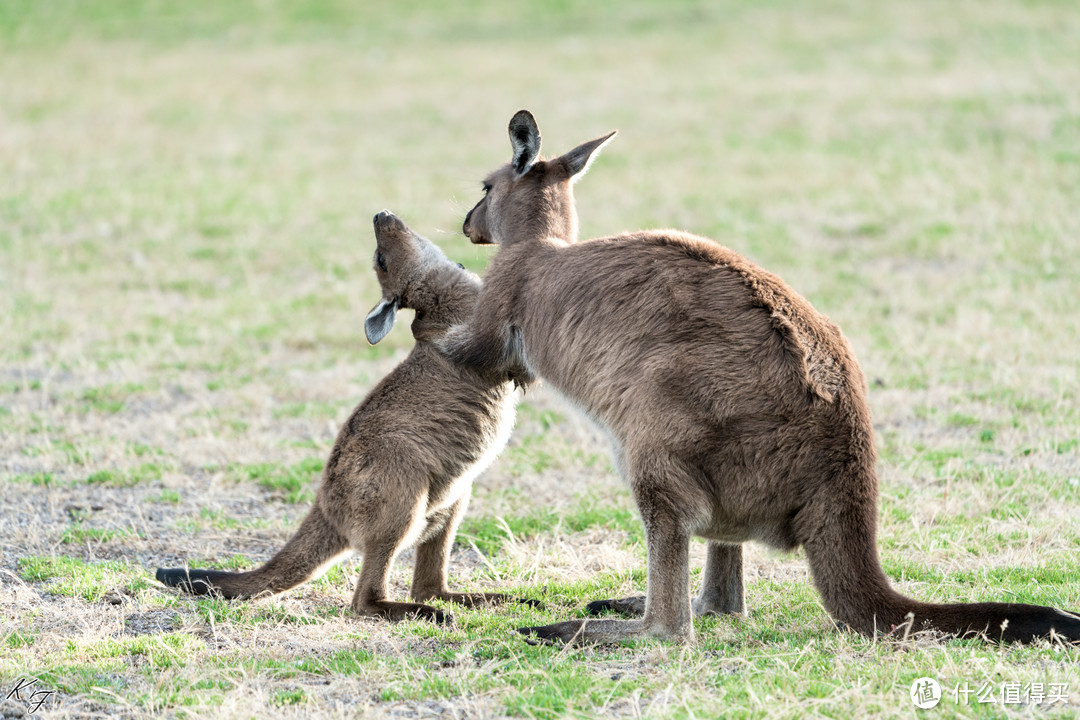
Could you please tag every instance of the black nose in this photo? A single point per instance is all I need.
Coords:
(382, 216)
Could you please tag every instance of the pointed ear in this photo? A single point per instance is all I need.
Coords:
(380, 320)
(577, 161)
(525, 139)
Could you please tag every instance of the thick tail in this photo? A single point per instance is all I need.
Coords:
(315, 544)
(841, 546)
(1007, 622)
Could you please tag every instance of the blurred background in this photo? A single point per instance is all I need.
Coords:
(170, 169)
(186, 193)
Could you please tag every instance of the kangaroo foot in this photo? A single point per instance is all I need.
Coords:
(557, 634)
(706, 606)
(398, 611)
(630, 606)
(602, 631)
(474, 599)
(635, 607)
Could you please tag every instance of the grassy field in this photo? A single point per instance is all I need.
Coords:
(185, 263)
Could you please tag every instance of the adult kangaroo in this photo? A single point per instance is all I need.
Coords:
(734, 409)
(402, 468)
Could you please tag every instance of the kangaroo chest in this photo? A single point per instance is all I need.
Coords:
(476, 453)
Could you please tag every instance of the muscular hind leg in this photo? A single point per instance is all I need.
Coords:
(655, 479)
(372, 589)
(433, 561)
(721, 591)
(372, 592)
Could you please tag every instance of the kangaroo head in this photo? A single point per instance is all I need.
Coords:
(530, 197)
(415, 274)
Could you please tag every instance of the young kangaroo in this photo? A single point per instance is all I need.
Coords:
(402, 467)
(735, 410)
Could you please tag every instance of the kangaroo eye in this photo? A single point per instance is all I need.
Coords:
(487, 188)
(381, 262)
(461, 266)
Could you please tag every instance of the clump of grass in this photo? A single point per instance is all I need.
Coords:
(108, 399)
(41, 479)
(128, 477)
(168, 496)
(19, 638)
(78, 534)
(218, 519)
(77, 578)
(234, 562)
(289, 696)
(161, 651)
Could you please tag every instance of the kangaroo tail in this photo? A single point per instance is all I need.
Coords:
(1007, 622)
(841, 546)
(315, 544)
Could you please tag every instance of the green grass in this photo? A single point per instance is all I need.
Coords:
(168, 496)
(77, 534)
(292, 483)
(185, 266)
(490, 533)
(216, 519)
(127, 477)
(76, 578)
(161, 651)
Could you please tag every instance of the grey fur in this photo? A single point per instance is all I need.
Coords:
(736, 411)
(401, 470)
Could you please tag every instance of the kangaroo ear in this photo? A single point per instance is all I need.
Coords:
(525, 139)
(577, 161)
(380, 320)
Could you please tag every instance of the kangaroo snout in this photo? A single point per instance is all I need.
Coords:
(466, 227)
(469, 230)
(386, 220)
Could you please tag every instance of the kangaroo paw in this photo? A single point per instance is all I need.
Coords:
(419, 611)
(630, 607)
(437, 616)
(598, 631)
(557, 634)
(398, 611)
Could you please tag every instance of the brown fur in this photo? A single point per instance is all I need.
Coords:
(401, 470)
(735, 410)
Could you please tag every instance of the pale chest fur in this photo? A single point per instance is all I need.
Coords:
(488, 446)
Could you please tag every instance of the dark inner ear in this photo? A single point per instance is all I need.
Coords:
(525, 140)
(380, 320)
